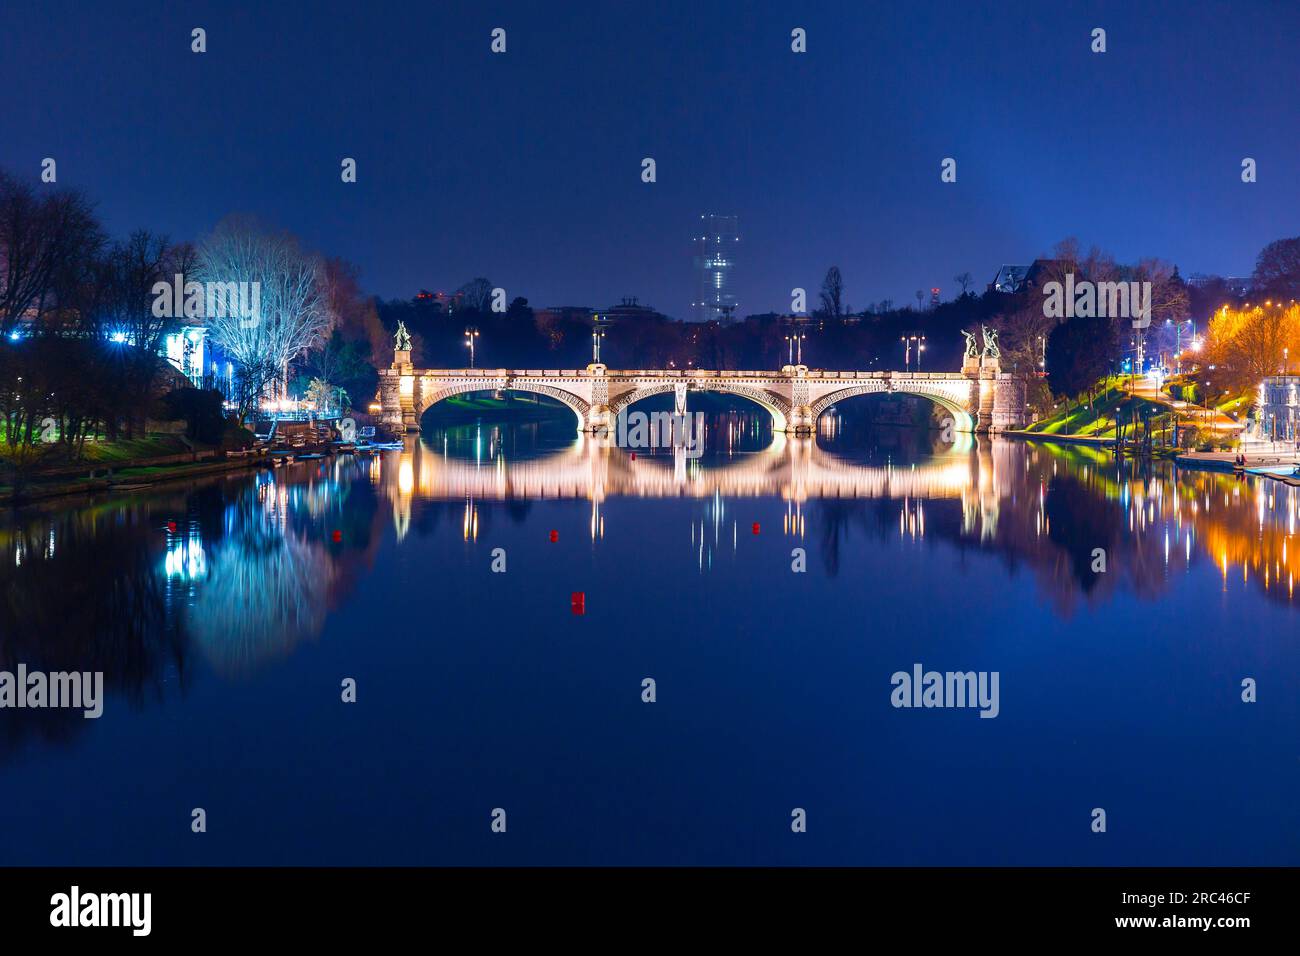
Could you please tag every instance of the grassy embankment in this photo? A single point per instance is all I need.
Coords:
(47, 471)
(107, 452)
(1098, 420)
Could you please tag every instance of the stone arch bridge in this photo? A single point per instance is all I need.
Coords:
(981, 398)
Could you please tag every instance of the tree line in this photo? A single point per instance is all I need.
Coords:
(84, 319)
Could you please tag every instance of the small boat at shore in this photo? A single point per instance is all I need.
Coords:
(368, 447)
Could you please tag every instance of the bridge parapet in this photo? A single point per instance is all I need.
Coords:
(980, 398)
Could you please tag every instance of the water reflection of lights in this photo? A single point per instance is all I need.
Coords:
(829, 425)
(911, 519)
(793, 523)
(469, 524)
(1172, 515)
(715, 518)
(185, 558)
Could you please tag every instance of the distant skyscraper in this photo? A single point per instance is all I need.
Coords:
(715, 260)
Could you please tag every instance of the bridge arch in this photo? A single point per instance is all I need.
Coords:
(773, 404)
(945, 397)
(575, 403)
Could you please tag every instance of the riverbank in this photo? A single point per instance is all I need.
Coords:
(124, 474)
(1092, 441)
(1279, 466)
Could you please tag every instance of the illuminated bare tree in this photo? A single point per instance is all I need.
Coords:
(293, 313)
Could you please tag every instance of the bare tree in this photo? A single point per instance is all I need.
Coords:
(832, 294)
(135, 266)
(1025, 332)
(294, 313)
(964, 280)
(42, 240)
(1277, 270)
(475, 294)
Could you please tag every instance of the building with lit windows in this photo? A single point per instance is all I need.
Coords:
(1279, 408)
(629, 310)
(716, 245)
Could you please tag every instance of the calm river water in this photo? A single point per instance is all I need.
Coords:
(226, 615)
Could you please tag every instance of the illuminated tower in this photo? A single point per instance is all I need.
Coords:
(715, 260)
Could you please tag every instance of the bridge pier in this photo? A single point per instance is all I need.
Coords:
(598, 420)
(800, 422)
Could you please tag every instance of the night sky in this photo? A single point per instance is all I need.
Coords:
(525, 167)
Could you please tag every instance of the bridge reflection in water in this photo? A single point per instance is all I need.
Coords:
(243, 568)
(1045, 508)
(792, 469)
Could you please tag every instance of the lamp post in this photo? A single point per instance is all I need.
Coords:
(801, 337)
(920, 347)
(907, 341)
(789, 341)
(471, 333)
(596, 336)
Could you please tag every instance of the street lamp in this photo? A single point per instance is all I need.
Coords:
(596, 336)
(471, 333)
(789, 341)
(907, 341)
(801, 337)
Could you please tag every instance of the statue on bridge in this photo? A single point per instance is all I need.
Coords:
(972, 349)
(991, 350)
(402, 339)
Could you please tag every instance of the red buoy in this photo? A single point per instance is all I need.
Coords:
(555, 536)
(171, 526)
(337, 536)
(578, 602)
(755, 527)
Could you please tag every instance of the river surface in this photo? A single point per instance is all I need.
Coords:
(226, 615)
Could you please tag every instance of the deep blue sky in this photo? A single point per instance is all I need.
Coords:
(525, 167)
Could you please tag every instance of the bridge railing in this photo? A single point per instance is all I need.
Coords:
(815, 374)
